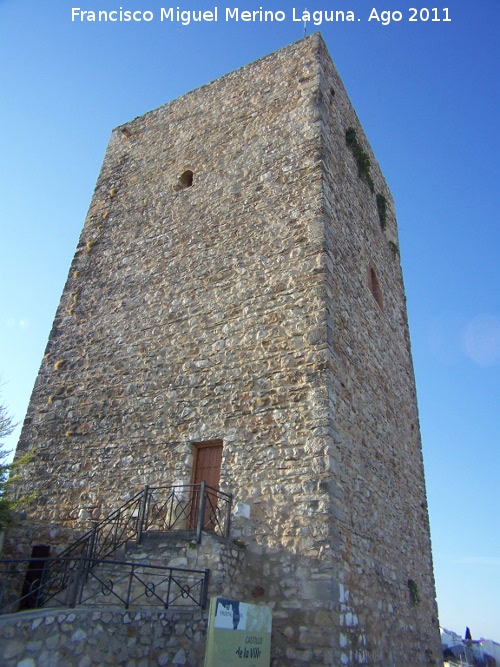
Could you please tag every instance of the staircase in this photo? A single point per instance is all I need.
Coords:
(88, 572)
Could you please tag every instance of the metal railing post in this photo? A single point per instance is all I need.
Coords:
(92, 543)
(142, 514)
(40, 593)
(201, 512)
(78, 579)
(116, 526)
(129, 588)
(37, 589)
(69, 590)
(3, 582)
(204, 592)
(167, 598)
(228, 516)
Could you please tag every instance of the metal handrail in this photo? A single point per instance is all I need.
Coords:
(197, 507)
(193, 507)
(87, 544)
(91, 581)
(100, 542)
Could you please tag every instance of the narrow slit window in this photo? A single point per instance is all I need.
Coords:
(374, 286)
(185, 181)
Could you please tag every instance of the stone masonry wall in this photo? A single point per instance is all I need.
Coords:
(188, 314)
(96, 637)
(196, 314)
(239, 309)
(377, 472)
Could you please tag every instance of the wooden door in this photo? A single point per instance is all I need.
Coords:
(206, 468)
(207, 460)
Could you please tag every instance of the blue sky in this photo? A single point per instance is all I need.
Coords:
(426, 93)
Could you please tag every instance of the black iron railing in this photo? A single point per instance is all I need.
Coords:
(196, 507)
(193, 507)
(104, 582)
(147, 585)
(98, 543)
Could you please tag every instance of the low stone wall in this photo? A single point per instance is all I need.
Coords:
(92, 637)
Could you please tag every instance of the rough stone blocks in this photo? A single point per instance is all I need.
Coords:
(238, 279)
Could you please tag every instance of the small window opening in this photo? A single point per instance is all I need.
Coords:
(185, 181)
(374, 286)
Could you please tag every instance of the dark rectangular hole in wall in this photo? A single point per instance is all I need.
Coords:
(34, 576)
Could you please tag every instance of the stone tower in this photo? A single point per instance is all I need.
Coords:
(237, 283)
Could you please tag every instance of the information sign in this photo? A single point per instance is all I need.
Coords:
(239, 634)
